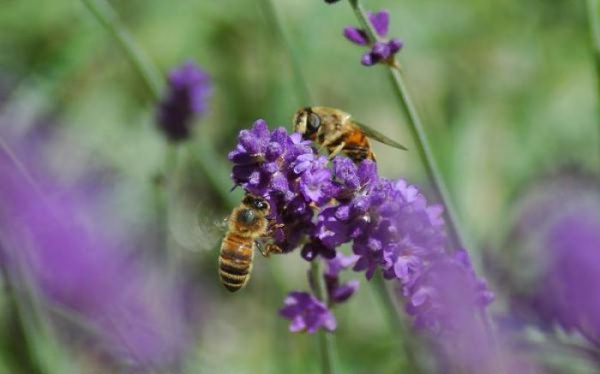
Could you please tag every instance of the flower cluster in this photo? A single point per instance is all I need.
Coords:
(188, 90)
(381, 51)
(323, 205)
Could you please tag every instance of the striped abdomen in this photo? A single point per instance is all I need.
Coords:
(235, 261)
(356, 146)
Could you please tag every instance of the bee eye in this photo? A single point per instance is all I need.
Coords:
(261, 205)
(247, 216)
(314, 121)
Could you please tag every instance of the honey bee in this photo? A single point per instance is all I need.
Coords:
(333, 129)
(249, 227)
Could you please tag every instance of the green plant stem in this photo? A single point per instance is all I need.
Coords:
(593, 13)
(109, 19)
(418, 133)
(398, 324)
(417, 130)
(301, 86)
(326, 340)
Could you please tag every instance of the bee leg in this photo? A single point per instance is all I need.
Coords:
(272, 248)
(260, 246)
(337, 150)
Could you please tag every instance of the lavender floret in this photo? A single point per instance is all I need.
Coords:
(307, 313)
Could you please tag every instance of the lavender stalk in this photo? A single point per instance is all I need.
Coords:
(418, 133)
(326, 342)
(456, 233)
(302, 89)
(397, 322)
(593, 12)
(109, 20)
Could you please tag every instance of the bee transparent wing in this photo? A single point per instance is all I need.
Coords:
(193, 228)
(376, 135)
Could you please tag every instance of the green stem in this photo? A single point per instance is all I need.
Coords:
(457, 236)
(593, 12)
(106, 15)
(302, 89)
(397, 323)
(326, 340)
(418, 133)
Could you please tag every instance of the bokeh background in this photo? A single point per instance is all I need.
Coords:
(506, 89)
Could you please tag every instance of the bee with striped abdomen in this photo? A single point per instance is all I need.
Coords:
(333, 129)
(248, 228)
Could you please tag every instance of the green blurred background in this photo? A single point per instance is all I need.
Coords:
(506, 90)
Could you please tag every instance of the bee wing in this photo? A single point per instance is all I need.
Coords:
(376, 135)
(193, 228)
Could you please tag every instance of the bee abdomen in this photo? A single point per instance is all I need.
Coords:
(235, 263)
(359, 152)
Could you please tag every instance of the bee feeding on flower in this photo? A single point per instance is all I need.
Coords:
(336, 131)
(248, 227)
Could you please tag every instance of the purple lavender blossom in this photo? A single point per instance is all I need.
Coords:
(286, 170)
(339, 292)
(389, 224)
(307, 313)
(189, 88)
(381, 51)
(135, 314)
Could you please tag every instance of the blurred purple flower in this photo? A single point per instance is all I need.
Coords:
(559, 229)
(381, 51)
(189, 88)
(51, 235)
(307, 313)
(447, 295)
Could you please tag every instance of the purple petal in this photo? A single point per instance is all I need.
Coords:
(395, 45)
(380, 22)
(356, 36)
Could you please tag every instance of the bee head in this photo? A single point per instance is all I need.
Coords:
(256, 203)
(307, 123)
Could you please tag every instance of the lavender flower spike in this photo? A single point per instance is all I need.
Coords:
(189, 88)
